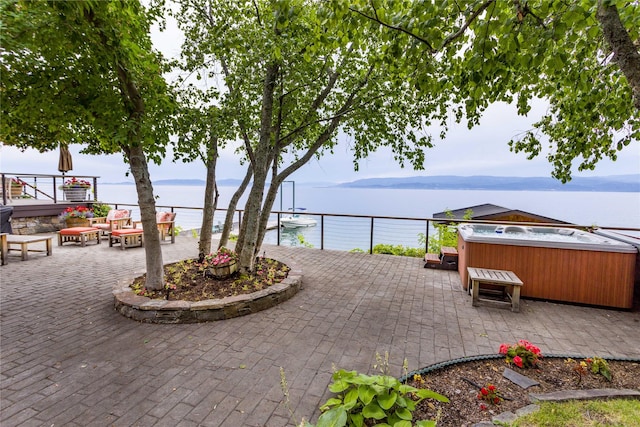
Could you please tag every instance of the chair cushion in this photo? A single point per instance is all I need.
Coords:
(126, 231)
(117, 214)
(75, 231)
(164, 216)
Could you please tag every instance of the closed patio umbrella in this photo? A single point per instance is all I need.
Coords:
(65, 163)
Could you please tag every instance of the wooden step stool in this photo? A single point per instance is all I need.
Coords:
(128, 238)
(478, 276)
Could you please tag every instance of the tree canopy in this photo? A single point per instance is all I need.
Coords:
(582, 57)
(292, 82)
(85, 73)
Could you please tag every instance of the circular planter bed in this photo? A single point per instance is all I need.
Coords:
(145, 309)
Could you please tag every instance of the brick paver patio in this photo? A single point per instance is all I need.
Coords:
(67, 358)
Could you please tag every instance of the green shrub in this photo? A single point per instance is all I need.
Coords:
(446, 234)
(100, 209)
(398, 250)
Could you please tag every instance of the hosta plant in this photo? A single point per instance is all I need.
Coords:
(373, 399)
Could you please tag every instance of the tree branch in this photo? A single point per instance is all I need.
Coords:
(626, 54)
(464, 27)
(393, 27)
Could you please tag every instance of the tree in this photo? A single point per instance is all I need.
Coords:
(85, 73)
(202, 130)
(579, 56)
(292, 82)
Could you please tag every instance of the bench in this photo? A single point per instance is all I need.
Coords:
(4, 248)
(80, 235)
(503, 278)
(127, 237)
(23, 241)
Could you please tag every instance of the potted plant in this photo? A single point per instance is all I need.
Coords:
(76, 216)
(75, 190)
(222, 263)
(17, 187)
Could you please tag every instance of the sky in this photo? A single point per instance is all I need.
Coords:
(482, 150)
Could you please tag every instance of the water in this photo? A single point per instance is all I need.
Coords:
(584, 208)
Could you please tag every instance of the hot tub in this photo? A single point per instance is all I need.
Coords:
(557, 264)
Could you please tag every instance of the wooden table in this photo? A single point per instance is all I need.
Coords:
(23, 241)
(504, 278)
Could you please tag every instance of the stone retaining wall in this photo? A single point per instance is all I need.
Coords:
(34, 225)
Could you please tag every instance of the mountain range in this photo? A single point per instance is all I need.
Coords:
(613, 183)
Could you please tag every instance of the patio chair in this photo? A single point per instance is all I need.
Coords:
(116, 219)
(166, 225)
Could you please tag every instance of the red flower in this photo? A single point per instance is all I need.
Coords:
(484, 391)
(492, 387)
(518, 361)
(483, 407)
(504, 348)
(496, 400)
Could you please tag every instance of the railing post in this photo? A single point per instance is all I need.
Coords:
(426, 241)
(279, 229)
(371, 239)
(321, 232)
(55, 190)
(4, 193)
(95, 189)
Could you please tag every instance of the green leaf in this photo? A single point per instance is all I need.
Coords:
(339, 385)
(336, 417)
(351, 399)
(356, 419)
(331, 402)
(410, 404)
(429, 394)
(404, 414)
(386, 400)
(366, 394)
(373, 410)
(426, 423)
(402, 423)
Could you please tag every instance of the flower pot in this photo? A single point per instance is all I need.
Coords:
(16, 190)
(224, 270)
(75, 194)
(77, 222)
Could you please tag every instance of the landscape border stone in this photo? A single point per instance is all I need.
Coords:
(596, 393)
(144, 309)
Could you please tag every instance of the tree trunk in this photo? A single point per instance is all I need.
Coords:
(247, 239)
(267, 207)
(146, 201)
(231, 209)
(210, 199)
(625, 53)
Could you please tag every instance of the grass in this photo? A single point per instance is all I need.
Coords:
(593, 413)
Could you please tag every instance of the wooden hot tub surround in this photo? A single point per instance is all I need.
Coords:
(595, 277)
